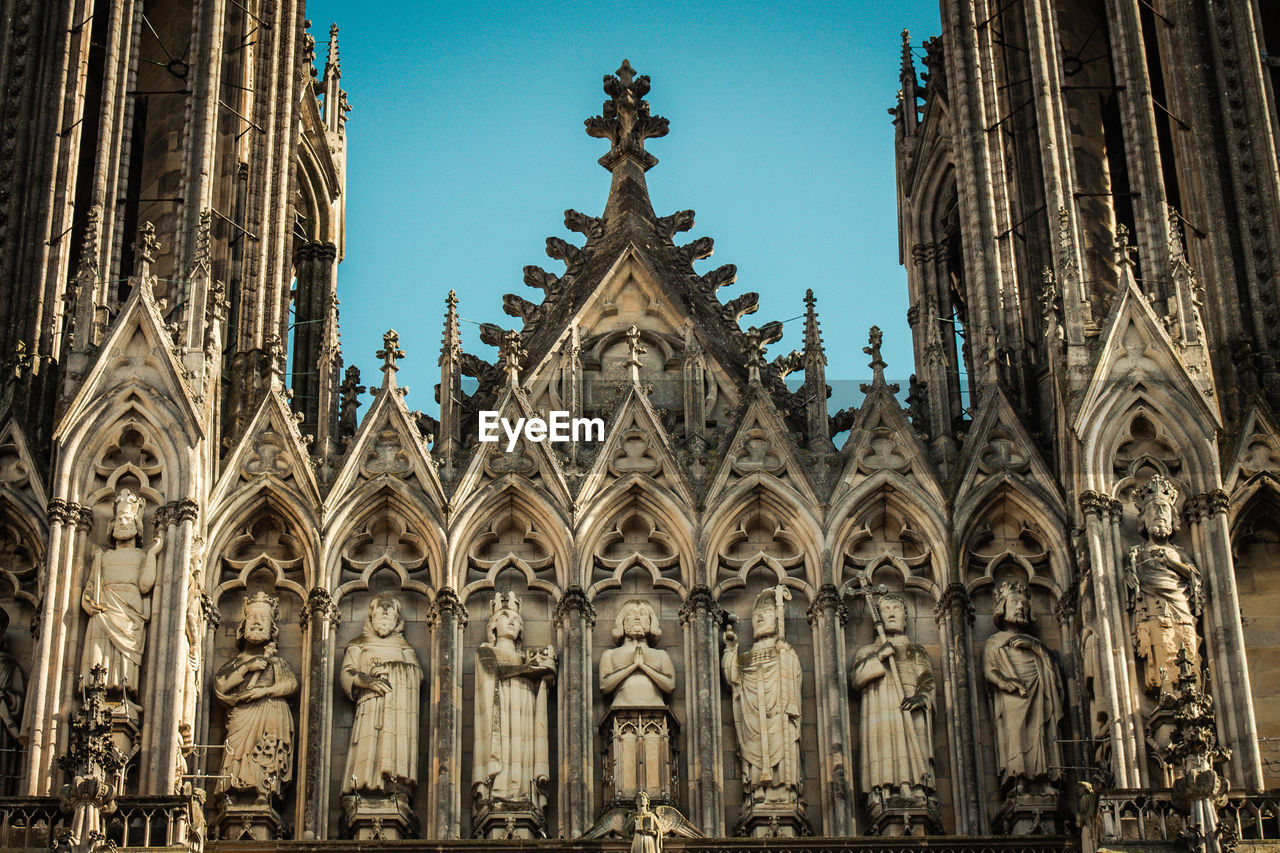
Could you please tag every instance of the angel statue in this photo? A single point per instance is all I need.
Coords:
(647, 825)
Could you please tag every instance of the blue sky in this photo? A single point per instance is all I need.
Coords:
(466, 144)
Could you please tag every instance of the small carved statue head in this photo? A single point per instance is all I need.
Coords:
(1013, 606)
(642, 800)
(386, 615)
(1157, 506)
(127, 522)
(637, 620)
(259, 624)
(768, 612)
(893, 612)
(505, 621)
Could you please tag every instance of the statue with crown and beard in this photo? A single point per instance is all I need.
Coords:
(766, 683)
(1027, 699)
(511, 773)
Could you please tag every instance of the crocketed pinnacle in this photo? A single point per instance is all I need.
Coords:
(627, 123)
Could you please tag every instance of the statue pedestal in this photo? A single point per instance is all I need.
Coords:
(248, 822)
(508, 820)
(765, 818)
(1026, 813)
(378, 818)
(903, 816)
(126, 731)
(640, 754)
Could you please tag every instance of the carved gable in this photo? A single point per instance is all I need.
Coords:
(637, 445)
(271, 448)
(882, 440)
(762, 447)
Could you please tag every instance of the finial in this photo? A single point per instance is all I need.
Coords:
(389, 353)
(1124, 252)
(812, 332)
(351, 389)
(202, 258)
(274, 349)
(1177, 245)
(626, 121)
(908, 60)
(451, 346)
(510, 355)
(333, 64)
(144, 250)
(634, 351)
(877, 365)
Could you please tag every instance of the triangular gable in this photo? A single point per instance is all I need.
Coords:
(529, 460)
(1256, 454)
(882, 439)
(387, 444)
(271, 448)
(762, 446)
(637, 444)
(20, 477)
(138, 351)
(998, 446)
(1136, 350)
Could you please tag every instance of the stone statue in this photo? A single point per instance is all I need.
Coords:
(1027, 696)
(646, 831)
(512, 768)
(766, 704)
(638, 675)
(12, 693)
(1164, 590)
(381, 674)
(254, 685)
(116, 599)
(894, 677)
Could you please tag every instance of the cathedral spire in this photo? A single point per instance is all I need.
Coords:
(815, 376)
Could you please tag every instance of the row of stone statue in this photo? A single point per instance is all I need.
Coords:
(893, 677)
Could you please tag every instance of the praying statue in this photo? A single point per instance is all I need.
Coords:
(255, 686)
(894, 678)
(637, 674)
(117, 598)
(381, 674)
(1027, 696)
(512, 766)
(766, 702)
(1164, 590)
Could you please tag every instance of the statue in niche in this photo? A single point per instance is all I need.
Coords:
(766, 684)
(1027, 697)
(895, 679)
(381, 674)
(12, 693)
(255, 685)
(116, 597)
(1165, 596)
(637, 674)
(512, 767)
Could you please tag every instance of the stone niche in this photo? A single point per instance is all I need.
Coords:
(637, 584)
(371, 817)
(272, 818)
(536, 610)
(797, 631)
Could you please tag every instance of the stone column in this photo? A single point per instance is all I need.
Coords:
(319, 620)
(702, 618)
(1206, 515)
(575, 617)
(828, 616)
(954, 615)
(1102, 520)
(444, 807)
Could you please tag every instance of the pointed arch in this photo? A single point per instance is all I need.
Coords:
(1008, 499)
(762, 496)
(1173, 418)
(510, 497)
(246, 507)
(372, 501)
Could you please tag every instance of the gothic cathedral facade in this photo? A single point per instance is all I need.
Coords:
(1031, 601)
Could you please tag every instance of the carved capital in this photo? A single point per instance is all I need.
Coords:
(700, 599)
(163, 516)
(83, 518)
(1096, 504)
(186, 510)
(447, 603)
(1200, 507)
(955, 603)
(57, 511)
(319, 604)
(573, 601)
(828, 599)
(1066, 607)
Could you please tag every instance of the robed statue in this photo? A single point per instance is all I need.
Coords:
(1027, 696)
(117, 598)
(381, 674)
(766, 683)
(255, 686)
(1165, 594)
(512, 764)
